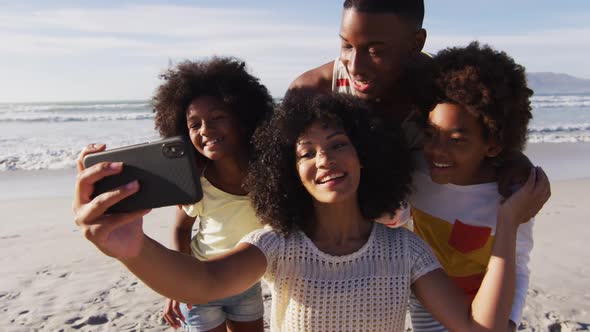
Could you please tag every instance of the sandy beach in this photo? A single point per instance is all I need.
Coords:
(52, 279)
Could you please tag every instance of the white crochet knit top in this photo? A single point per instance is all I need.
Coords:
(367, 290)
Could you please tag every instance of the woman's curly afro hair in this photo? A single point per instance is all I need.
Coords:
(491, 86)
(225, 78)
(276, 191)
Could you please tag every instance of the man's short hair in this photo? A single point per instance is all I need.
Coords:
(409, 9)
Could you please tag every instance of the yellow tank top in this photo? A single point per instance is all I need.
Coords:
(222, 219)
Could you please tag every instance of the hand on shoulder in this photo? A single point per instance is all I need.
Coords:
(513, 173)
(528, 200)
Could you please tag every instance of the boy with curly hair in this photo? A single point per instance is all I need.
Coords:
(481, 116)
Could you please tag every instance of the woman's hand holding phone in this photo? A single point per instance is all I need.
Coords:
(117, 235)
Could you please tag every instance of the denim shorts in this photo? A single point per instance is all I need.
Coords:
(244, 307)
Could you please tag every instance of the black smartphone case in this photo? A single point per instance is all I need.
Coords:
(166, 171)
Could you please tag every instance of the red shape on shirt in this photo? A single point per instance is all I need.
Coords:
(470, 284)
(342, 82)
(466, 238)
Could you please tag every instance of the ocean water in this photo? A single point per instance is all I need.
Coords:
(560, 119)
(37, 136)
(51, 135)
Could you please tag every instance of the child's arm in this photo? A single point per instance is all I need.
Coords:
(492, 305)
(524, 245)
(172, 274)
(181, 242)
(182, 231)
(512, 174)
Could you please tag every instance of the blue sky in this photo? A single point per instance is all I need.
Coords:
(108, 50)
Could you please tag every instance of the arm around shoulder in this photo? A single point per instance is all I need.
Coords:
(513, 172)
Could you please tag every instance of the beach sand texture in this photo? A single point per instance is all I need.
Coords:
(52, 279)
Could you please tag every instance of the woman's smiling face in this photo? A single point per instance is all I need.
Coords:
(327, 163)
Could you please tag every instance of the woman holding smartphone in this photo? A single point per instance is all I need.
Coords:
(322, 176)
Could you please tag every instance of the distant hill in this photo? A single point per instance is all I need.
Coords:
(557, 83)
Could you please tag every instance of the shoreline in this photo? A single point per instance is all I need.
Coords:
(25, 184)
(561, 161)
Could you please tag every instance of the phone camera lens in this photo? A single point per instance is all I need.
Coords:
(173, 150)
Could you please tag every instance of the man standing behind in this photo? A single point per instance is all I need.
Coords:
(381, 61)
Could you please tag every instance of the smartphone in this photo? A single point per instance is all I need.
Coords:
(166, 170)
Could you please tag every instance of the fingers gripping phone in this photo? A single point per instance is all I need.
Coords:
(166, 170)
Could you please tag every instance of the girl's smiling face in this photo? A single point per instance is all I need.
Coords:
(455, 147)
(327, 164)
(214, 130)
